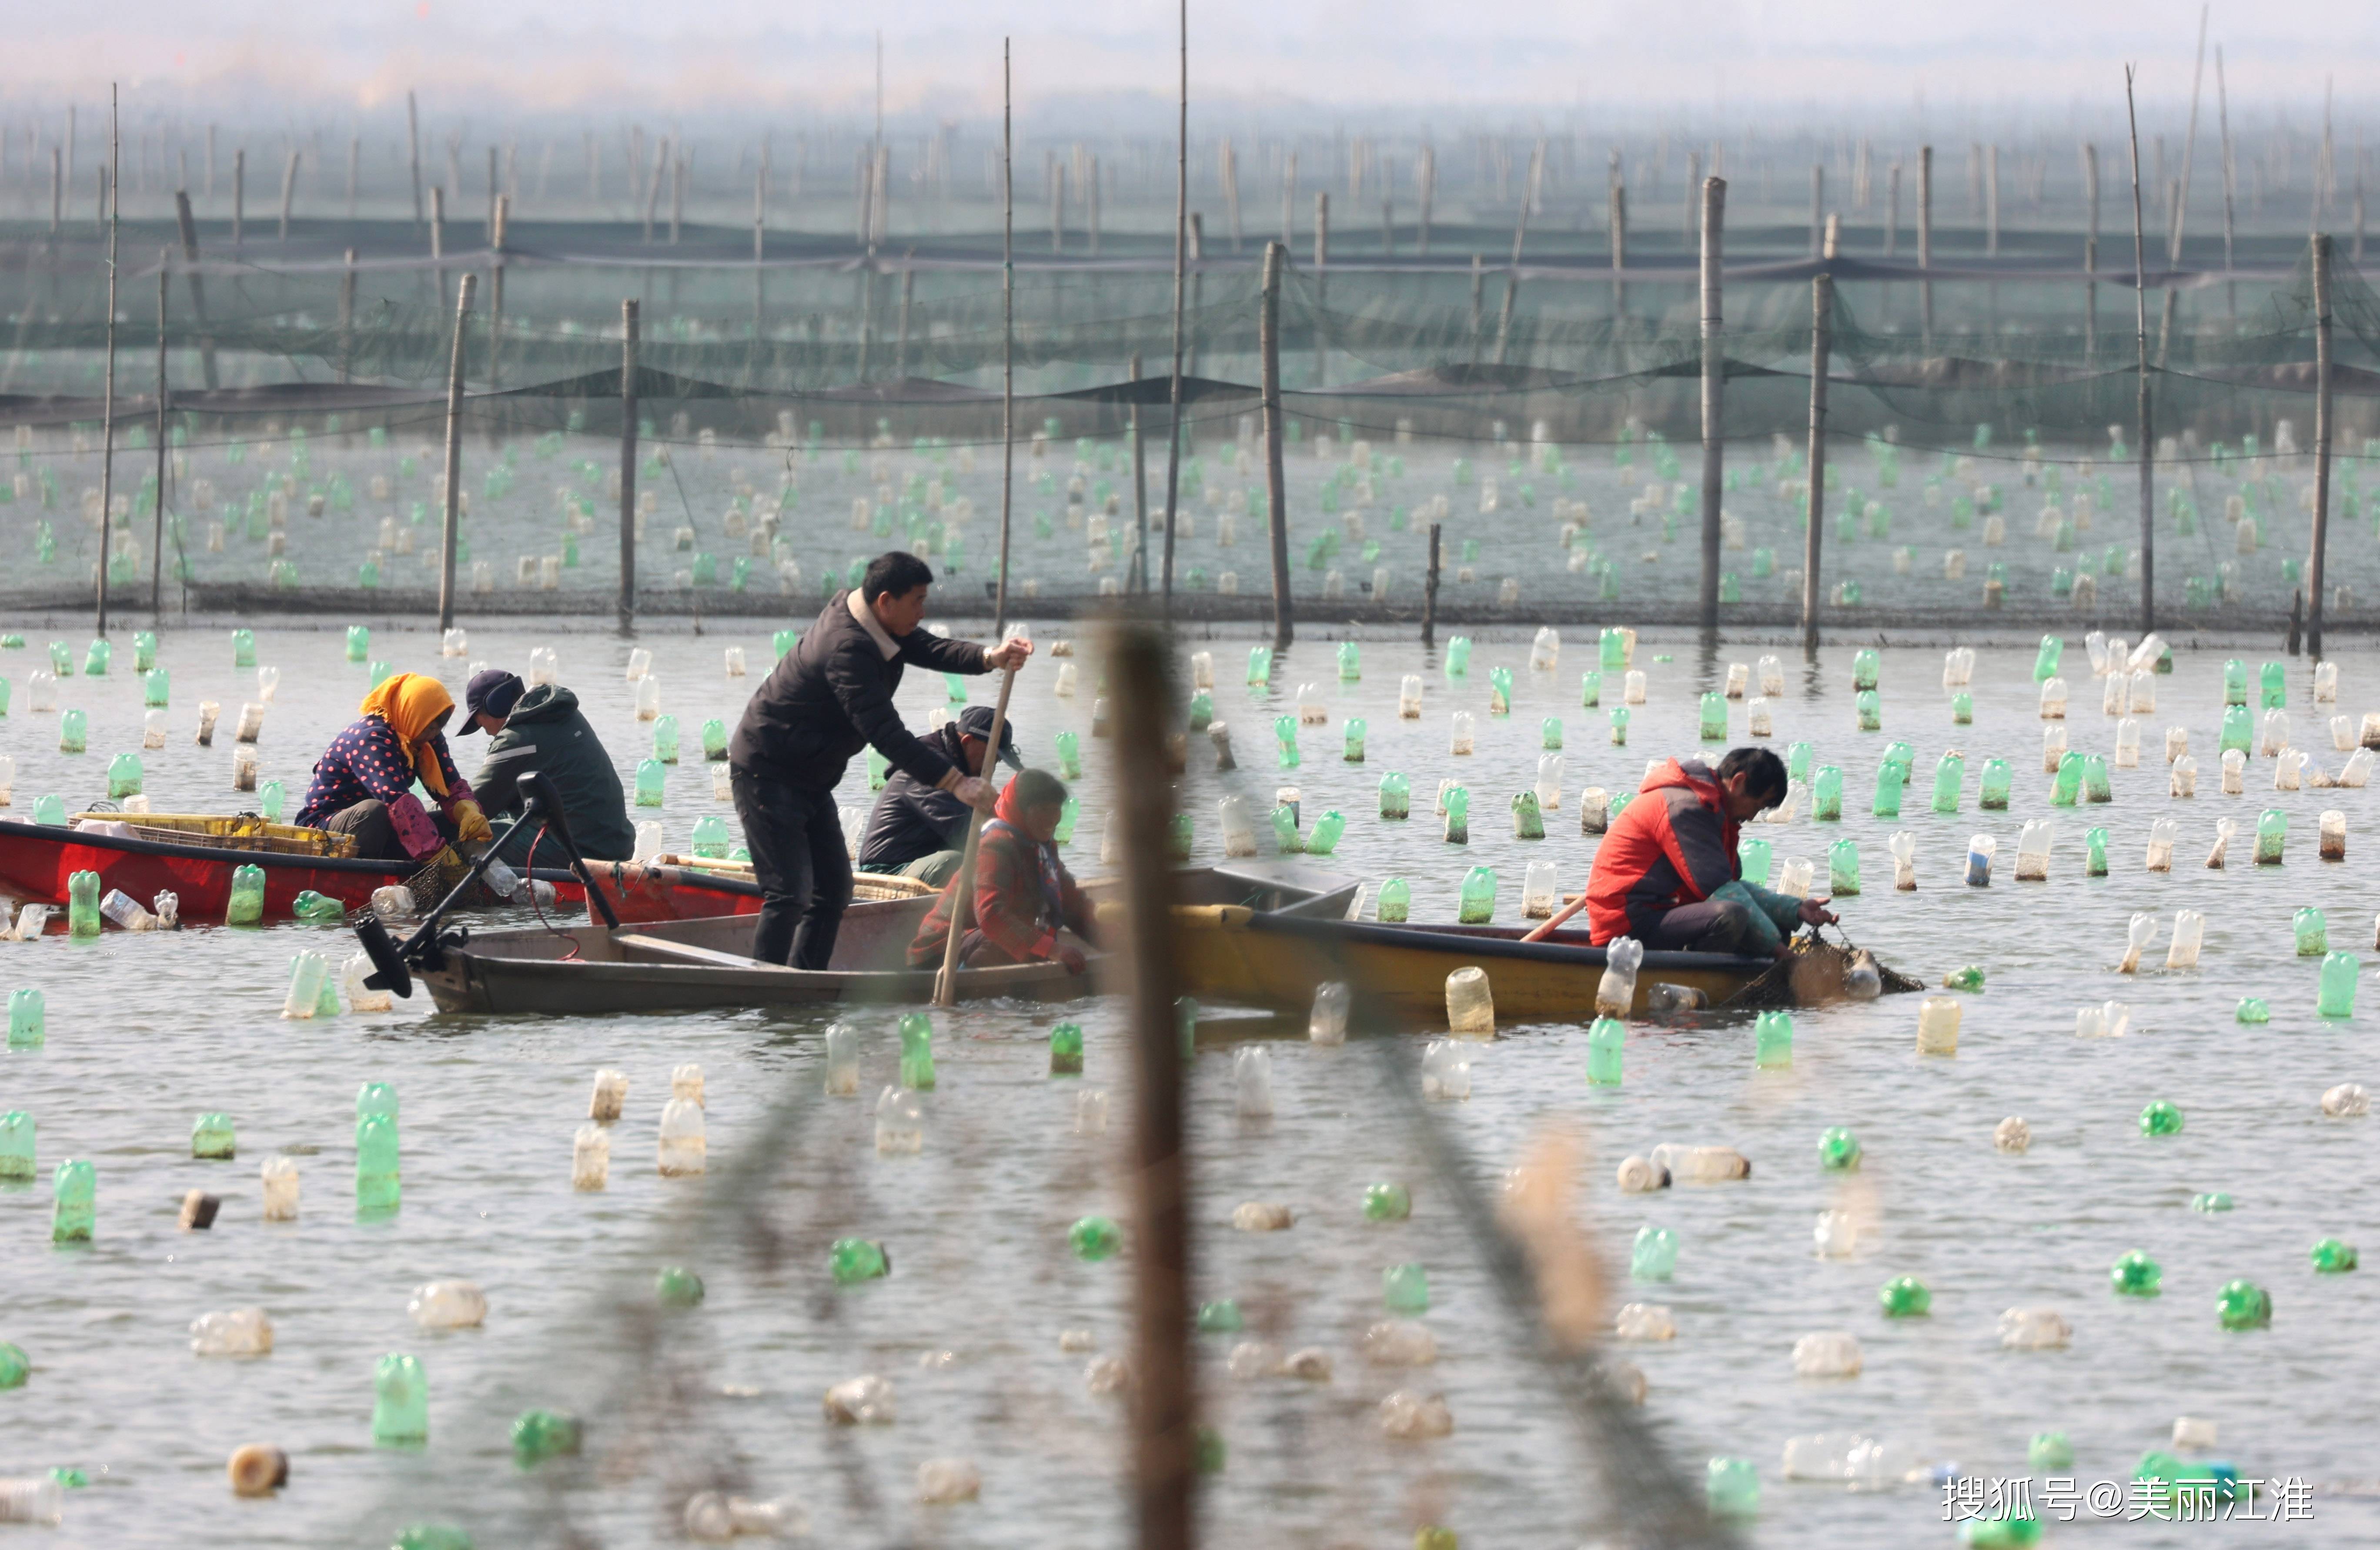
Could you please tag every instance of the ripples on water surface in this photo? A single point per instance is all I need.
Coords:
(147, 1031)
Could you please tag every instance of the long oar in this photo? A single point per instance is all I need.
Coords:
(946, 984)
(1567, 911)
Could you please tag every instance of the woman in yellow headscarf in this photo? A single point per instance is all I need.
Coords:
(363, 784)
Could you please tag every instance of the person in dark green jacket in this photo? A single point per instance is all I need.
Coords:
(542, 730)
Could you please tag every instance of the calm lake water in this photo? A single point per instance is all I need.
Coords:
(147, 1031)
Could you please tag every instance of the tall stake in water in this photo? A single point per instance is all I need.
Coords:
(1926, 237)
(453, 457)
(107, 398)
(413, 152)
(1714, 393)
(157, 536)
(1285, 627)
(2141, 324)
(1822, 318)
(627, 464)
(1181, 256)
(2231, 185)
(2189, 146)
(1007, 336)
(2322, 438)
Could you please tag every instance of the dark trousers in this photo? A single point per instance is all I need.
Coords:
(1713, 925)
(374, 830)
(801, 863)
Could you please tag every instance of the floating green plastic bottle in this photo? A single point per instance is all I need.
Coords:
(1866, 665)
(917, 1051)
(1221, 1316)
(1839, 1150)
(2312, 932)
(1754, 858)
(18, 1134)
(1405, 1289)
(1590, 689)
(270, 798)
(2210, 1202)
(144, 650)
(678, 1286)
(714, 746)
(28, 1019)
(1550, 734)
(1713, 716)
(1070, 811)
(2239, 729)
(1179, 835)
(1969, 978)
(711, 836)
(1950, 778)
(212, 1139)
(379, 1188)
(1869, 706)
(96, 660)
(1528, 821)
(400, 1402)
(1887, 792)
(1654, 1255)
(1387, 1202)
(50, 810)
(1351, 662)
(2276, 685)
(858, 1259)
(156, 686)
(1396, 902)
(61, 658)
(1904, 1297)
(1066, 1049)
(1327, 831)
(1458, 656)
(243, 649)
(247, 906)
(2048, 1453)
(15, 1367)
(1843, 868)
(316, 910)
(666, 738)
(1620, 726)
(2235, 683)
(1070, 756)
(2068, 789)
(1458, 816)
(652, 776)
(74, 731)
(2332, 1257)
(1351, 749)
(1606, 1042)
(2243, 1305)
(1499, 691)
(1284, 732)
(539, 1434)
(2045, 661)
(1798, 757)
(783, 641)
(2160, 1117)
(1286, 838)
(2335, 996)
(1992, 791)
(1396, 796)
(74, 1202)
(1202, 711)
(2095, 786)
(1094, 1238)
(879, 769)
(1772, 1039)
(2251, 1008)
(1731, 1488)
(1479, 897)
(2272, 836)
(1827, 793)
(83, 904)
(2094, 852)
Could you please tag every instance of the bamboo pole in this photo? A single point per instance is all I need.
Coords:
(2323, 429)
(2189, 147)
(1165, 1410)
(1520, 235)
(946, 982)
(347, 317)
(1992, 200)
(2141, 323)
(107, 401)
(1007, 334)
(1285, 623)
(157, 536)
(1140, 574)
(288, 192)
(1822, 319)
(413, 152)
(1714, 382)
(189, 229)
(2091, 254)
(453, 532)
(238, 198)
(2230, 187)
(629, 430)
(1925, 238)
(497, 224)
(1429, 592)
(1817, 203)
(1181, 256)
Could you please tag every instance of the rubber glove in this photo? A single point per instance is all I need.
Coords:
(471, 823)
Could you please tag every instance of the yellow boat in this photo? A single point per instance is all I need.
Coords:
(1269, 933)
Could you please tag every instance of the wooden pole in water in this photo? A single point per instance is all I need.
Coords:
(1520, 235)
(2322, 432)
(189, 229)
(2141, 324)
(1925, 238)
(1007, 336)
(1822, 320)
(2189, 147)
(454, 532)
(239, 197)
(347, 318)
(1285, 623)
(2091, 254)
(107, 400)
(413, 151)
(1714, 392)
(1429, 592)
(627, 464)
(1140, 582)
(157, 536)
(1180, 258)
(946, 982)
(1165, 1413)
(2230, 185)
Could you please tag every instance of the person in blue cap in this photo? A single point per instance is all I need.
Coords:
(917, 830)
(542, 730)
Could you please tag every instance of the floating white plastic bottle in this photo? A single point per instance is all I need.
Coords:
(2033, 847)
(361, 996)
(153, 729)
(2189, 931)
(611, 1093)
(683, 1143)
(1938, 1025)
(1539, 891)
(1446, 1071)
(1615, 992)
(2182, 778)
(734, 657)
(901, 1120)
(650, 841)
(1090, 1114)
(280, 1179)
(2012, 1134)
(2289, 770)
(2177, 743)
(2162, 833)
(2224, 829)
(2053, 748)
(1550, 782)
(448, 1305)
(842, 1059)
(307, 972)
(1632, 687)
(649, 698)
(2127, 743)
(1409, 697)
(2235, 772)
(454, 643)
(1252, 1081)
(1981, 848)
(544, 666)
(1794, 877)
(1461, 737)
(2331, 834)
(1239, 827)
(1327, 1023)
(686, 1082)
(2139, 934)
(1836, 1234)
(37, 1499)
(591, 1158)
(1470, 1001)
(1903, 848)
(1701, 1165)
(2273, 732)
(251, 723)
(1830, 1353)
(2052, 699)
(2034, 1330)
(235, 1332)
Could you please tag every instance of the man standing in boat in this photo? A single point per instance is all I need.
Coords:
(826, 699)
(1667, 874)
(542, 730)
(916, 830)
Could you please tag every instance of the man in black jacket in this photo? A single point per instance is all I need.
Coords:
(543, 730)
(829, 698)
(916, 830)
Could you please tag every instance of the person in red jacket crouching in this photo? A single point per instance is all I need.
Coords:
(1022, 892)
(1667, 874)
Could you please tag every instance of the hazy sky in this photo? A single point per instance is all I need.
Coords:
(941, 56)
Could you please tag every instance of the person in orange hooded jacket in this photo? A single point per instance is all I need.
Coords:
(1668, 873)
(1024, 894)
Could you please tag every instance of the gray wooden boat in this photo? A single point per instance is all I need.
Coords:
(584, 968)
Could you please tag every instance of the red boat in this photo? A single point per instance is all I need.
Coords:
(36, 860)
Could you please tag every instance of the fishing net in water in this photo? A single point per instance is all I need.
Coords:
(1813, 972)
